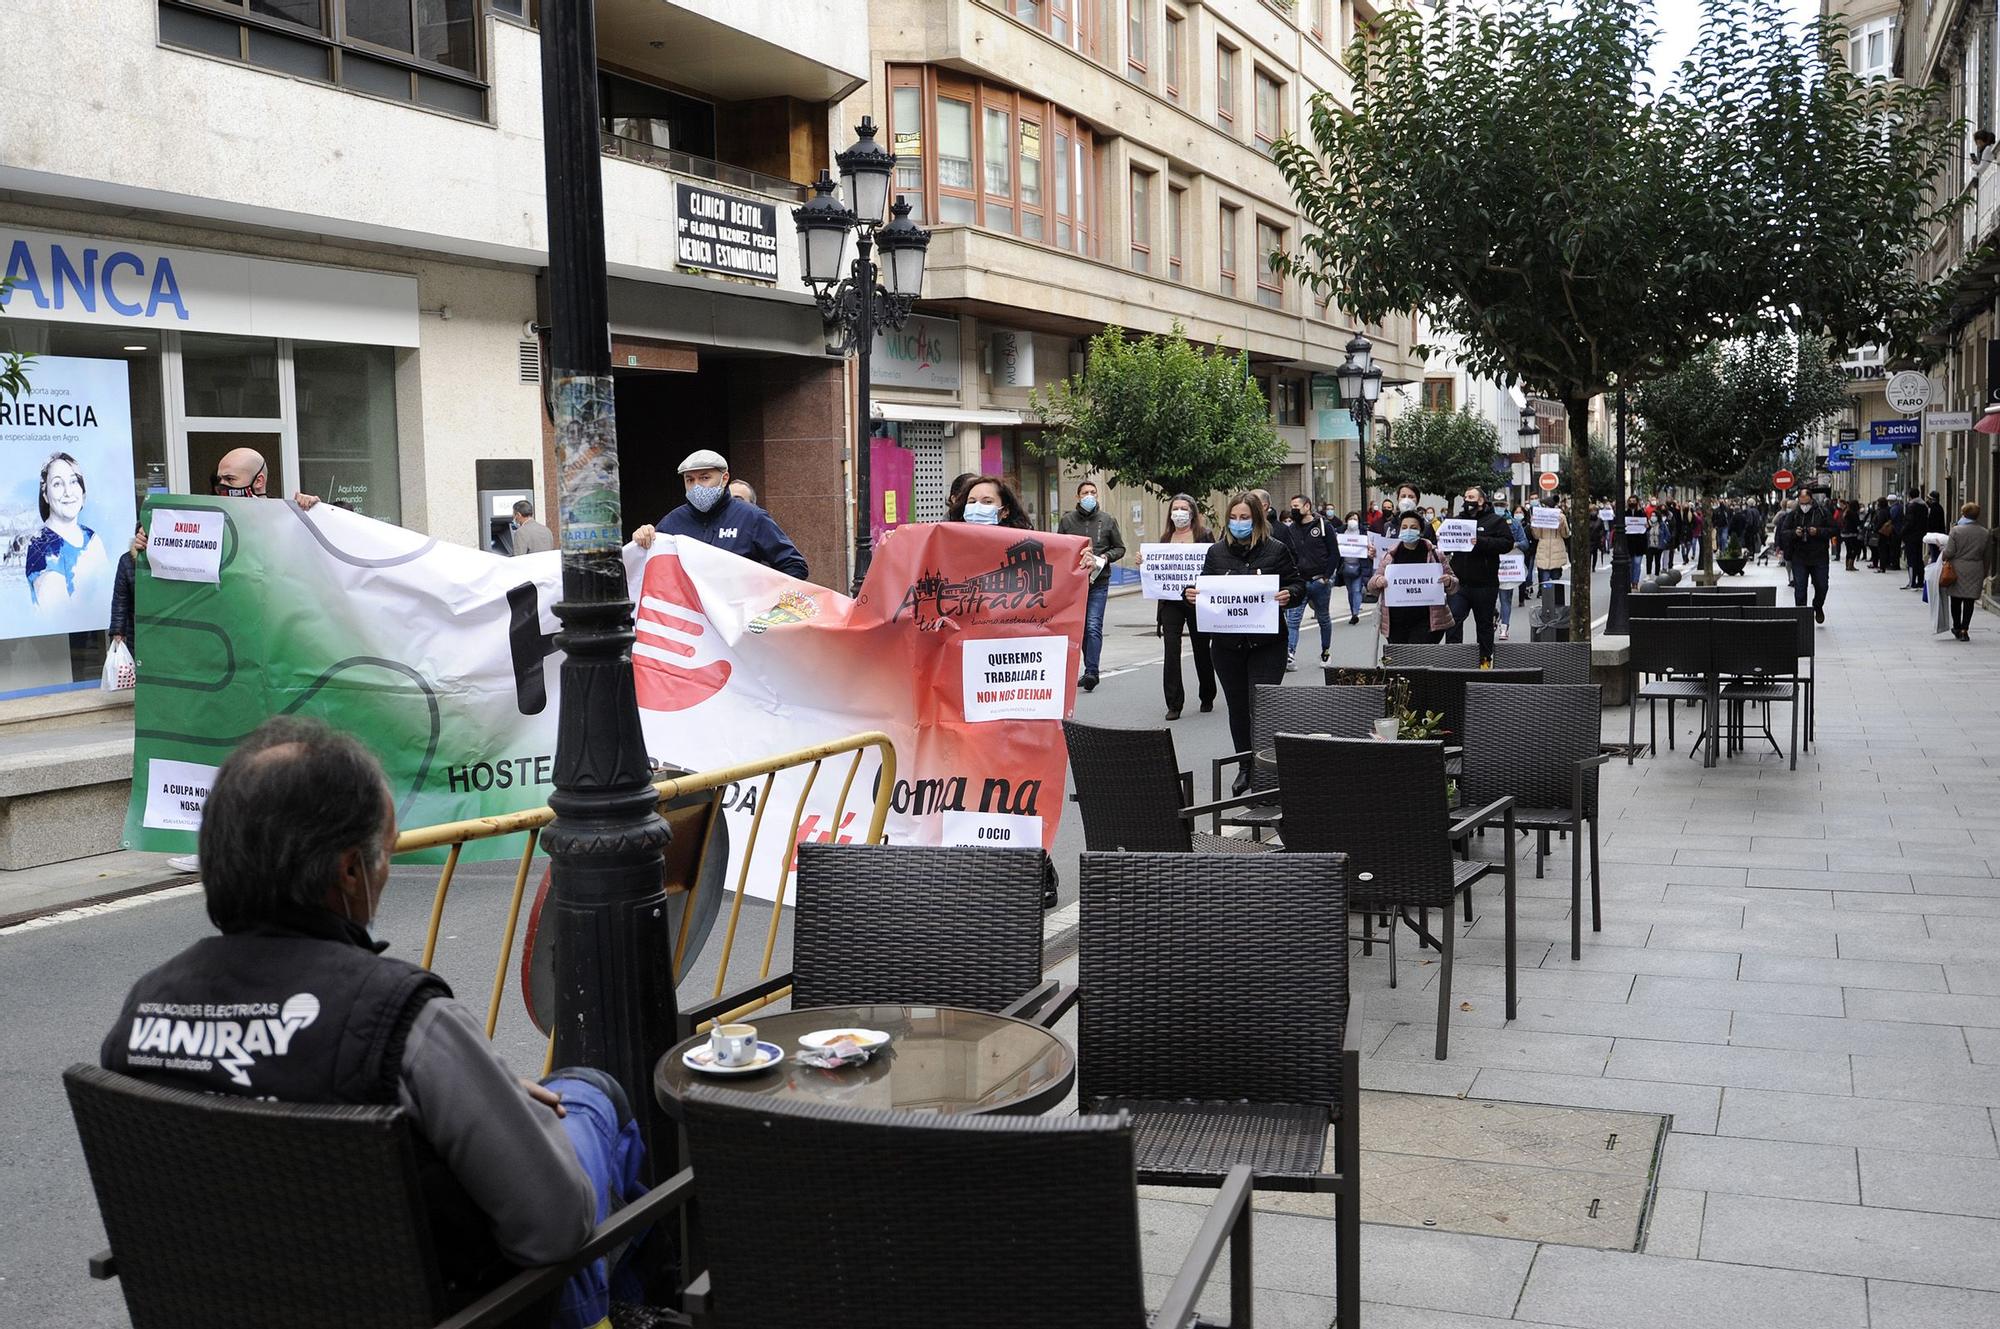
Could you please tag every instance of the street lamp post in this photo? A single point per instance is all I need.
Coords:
(1528, 435)
(1360, 387)
(868, 297)
(614, 996)
(1616, 621)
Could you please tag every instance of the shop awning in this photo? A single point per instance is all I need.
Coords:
(902, 410)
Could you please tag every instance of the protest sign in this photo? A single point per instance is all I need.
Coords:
(1456, 536)
(1165, 570)
(1236, 604)
(1545, 518)
(1414, 584)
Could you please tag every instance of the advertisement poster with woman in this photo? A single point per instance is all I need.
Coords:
(66, 503)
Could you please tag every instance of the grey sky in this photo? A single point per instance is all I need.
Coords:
(1680, 25)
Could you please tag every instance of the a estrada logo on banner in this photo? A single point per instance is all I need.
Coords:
(442, 660)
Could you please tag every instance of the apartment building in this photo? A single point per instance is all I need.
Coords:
(1085, 163)
(319, 227)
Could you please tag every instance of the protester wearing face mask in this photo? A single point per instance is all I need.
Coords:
(1354, 572)
(1412, 624)
(1478, 571)
(988, 501)
(1313, 549)
(1175, 617)
(717, 517)
(1107, 546)
(1244, 660)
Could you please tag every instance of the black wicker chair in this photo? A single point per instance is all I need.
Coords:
(1397, 835)
(1345, 712)
(1559, 661)
(1670, 661)
(1543, 747)
(1701, 608)
(1445, 688)
(1757, 660)
(1808, 651)
(896, 1220)
(930, 925)
(1431, 655)
(324, 1209)
(1218, 1015)
(1134, 796)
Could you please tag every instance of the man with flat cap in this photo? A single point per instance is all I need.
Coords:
(713, 515)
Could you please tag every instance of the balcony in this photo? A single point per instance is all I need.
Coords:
(740, 50)
(701, 168)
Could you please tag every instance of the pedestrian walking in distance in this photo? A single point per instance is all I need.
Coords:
(1802, 536)
(1107, 546)
(1175, 617)
(530, 536)
(1968, 559)
(1916, 525)
(1244, 659)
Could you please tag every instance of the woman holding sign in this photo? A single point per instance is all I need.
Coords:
(1184, 527)
(1423, 616)
(1247, 633)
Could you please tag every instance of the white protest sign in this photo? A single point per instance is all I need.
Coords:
(1513, 568)
(175, 794)
(1456, 536)
(185, 544)
(1605, 515)
(1635, 526)
(1236, 604)
(1165, 570)
(992, 830)
(1545, 518)
(1355, 546)
(1381, 544)
(1015, 678)
(1414, 584)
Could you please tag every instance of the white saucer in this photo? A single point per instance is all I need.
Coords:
(867, 1038)
(701, 1057)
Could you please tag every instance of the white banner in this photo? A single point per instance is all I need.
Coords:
(1236, 604)
(1545, 518)
(1635, 526)
(1355, 546)
(1513, 569)
(1456, 536)
(1414, 584)
(1165, 570)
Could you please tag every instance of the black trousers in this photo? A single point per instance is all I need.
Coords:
(1179, 619)
(1241, 663)
(1961, 612)
(1806, 574)
(1480, 604)
(1913, 554)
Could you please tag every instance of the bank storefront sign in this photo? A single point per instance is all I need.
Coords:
(1885, 436)
(122, 283)
(923, 353)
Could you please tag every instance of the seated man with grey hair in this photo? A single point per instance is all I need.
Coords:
(295, 1001)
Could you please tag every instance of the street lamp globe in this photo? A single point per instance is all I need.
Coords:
(864, 173)
(1362, 352)
(1529, 430)
(1371, 384)
(903, 244)
(1349, 376)
(823, 222)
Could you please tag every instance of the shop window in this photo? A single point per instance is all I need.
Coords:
(1290, 402)
(421, 51)
(347, 427)
(1270, 286)
(229, 377)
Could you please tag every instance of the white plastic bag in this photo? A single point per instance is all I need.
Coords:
(119, 670)
(1940, 601)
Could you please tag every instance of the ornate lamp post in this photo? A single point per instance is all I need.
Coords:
(868, 297)
(1617, 619)
(1529, 435)
(1361, 387)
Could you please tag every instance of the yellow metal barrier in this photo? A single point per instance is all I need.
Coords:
(455, 834)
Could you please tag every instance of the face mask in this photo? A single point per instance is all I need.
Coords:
(1406, 505)
(1088, 503)
(1469, 505)
(1409, 537)
(1353, 526)
(1181, 518)
(237, 491)
(983, 514)
(1240, 527)
(705, 497)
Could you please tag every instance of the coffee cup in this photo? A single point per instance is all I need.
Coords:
(733, 1044)
(1386, 729)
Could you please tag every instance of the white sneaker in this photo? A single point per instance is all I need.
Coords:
(185, 863)
(1291, 664)
(1503, 632)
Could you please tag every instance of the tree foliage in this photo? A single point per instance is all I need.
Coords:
(1509, 172)
(1164, 414)
(1440, 452)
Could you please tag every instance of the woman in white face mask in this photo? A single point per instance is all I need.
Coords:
(1184, 527)
(1354, 572)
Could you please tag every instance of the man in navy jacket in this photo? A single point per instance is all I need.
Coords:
(717, 517)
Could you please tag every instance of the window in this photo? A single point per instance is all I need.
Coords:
(1438, 394)
(1270, 110)
(422, 51)
(983, 155)
(1270, 286)
(1226, 229)
(1171, 51)
(1319, 22)
(1871, 48)
(1225, 86)
(1142, 221)
(1068, 21)
(647, 114)
(1135, 40)
(347, 426)
(1176, 230)
(1290, 401)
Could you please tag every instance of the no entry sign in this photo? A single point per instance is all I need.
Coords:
(1782, 480)
(1549, 482)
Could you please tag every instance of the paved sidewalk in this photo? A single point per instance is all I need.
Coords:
(1799, 967)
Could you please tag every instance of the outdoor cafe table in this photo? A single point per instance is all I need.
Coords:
(939, 1059)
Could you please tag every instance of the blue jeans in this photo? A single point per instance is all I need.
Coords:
(1319, 594)
(1355, 587)
(1093, 625)
(1809, 576)
(613, 1157)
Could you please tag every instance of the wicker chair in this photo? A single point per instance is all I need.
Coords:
(1757, 660)
(1219, 1017)
(928, 925)
(1345, 712)
(1432, 655)
(1670, 662)
(1543, 746)
(1700, 608)
(324, 1209)
(1559, 661)
(1445, 690)
(1808, 650)
(1398, 839)
(1134, 796)
(896, 1220)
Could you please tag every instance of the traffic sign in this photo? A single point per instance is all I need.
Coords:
(1908, 392)
(1549, 482)
(1782, 480)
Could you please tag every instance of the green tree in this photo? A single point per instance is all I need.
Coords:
(1161, 413)
(1728, 413)
(1440, 452)
(1512, 175)
(13, 364)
